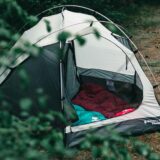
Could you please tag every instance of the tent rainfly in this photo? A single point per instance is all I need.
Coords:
(101, 83)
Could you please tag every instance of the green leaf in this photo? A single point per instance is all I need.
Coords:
(63, 36)
(25, 103)
(154, 156)
(81, 40)
(96, 152)
(96, 33)
(32, 20)
(24, 77)
(48, 26)
(42, 100)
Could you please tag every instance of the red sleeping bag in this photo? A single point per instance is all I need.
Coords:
(96, 98)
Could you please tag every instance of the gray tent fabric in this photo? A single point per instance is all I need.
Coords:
(72, 84)
(111, 76)
(43, 74)
(39, 71)
(106, 75)
(127, 128)
(54, 50)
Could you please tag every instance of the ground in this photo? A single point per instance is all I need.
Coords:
(147, 38)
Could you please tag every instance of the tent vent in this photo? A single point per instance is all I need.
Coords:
(122, 40)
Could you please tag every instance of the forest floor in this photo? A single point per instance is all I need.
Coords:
(147, 38)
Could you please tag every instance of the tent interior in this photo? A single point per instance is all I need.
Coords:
(97, 94)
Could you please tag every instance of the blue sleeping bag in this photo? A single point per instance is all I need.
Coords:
(86, 117)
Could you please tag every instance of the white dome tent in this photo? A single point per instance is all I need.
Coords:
(109, 61)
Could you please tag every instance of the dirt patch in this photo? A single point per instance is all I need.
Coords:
(148, 42)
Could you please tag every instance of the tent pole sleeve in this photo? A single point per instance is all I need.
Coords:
(126, 62)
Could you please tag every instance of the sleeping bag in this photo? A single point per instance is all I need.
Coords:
(95, 97)
(86, 117)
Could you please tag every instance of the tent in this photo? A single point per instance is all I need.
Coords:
(103, 77)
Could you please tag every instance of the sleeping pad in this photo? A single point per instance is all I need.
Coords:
(95, 97)
(86, 117)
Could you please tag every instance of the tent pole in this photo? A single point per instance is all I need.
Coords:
(61, 84)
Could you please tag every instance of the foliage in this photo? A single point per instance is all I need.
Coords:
(33, 137)
(113, 146)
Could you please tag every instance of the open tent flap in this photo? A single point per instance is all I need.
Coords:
(68, 64)
(118, 92)
(98, 63)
